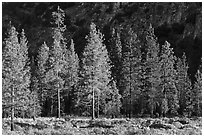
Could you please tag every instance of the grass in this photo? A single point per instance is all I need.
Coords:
(136, 126)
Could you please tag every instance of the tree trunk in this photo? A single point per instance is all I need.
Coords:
(58, 96)
(12, 109)
(98, 107)
(93, 108)
(51, 111)
(34, 111)
(130, 88)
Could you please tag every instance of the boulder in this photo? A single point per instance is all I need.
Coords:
(177, 124)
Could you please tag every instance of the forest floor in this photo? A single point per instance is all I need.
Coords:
(103, 126)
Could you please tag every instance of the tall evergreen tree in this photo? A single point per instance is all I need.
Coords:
(57, 56)
(70, 72)
(152, 69)
(183, 84)
(196, 97)
(168, 74)
(16, 74)
(26, 75)
(34, 96)
(131, 71)
(95, 71)
(116, 54)
(42, 67)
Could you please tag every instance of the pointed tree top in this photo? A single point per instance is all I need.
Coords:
(23, 33)
(150, 26)
(113, 31)
(150, 32)
(12, 31)
(93, 27)
(10, 24)
(72, 45)
(45, 46)
(167, 44)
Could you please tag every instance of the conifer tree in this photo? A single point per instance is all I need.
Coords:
(131, 71)
(152, 68)
(117, 43)
(26, 75)
(42, 66)
(95, 71)
(168, 74)
(71, 67)
(116, 53)
(16, 74)
(35, 108)
(70, 72)
(57, 56)
(183, 84)
(196, 97)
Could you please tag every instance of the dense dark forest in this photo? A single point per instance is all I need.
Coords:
(101, 59)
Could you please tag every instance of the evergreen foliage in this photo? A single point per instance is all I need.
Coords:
(183, 85)
(70, 75)
(196, 97)
(116, 55)
(131, 71)
(16, 75)
(42, 67)
(168, 74)
(95, 72)
(113, 105)
(135, 76)
(152, 70)
(57, 57)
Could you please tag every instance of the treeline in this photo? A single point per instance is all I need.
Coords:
(134, 78)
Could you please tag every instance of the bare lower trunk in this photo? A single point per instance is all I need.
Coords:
(98, 107)
(51, 111)
(58, 96)
(12, 109)
(93, 108)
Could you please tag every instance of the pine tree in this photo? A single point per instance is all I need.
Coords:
(152, 68)
(57, 57)
(183, 84)
(196, 97)
(70, 72)
(26, 75)
(116, 54)
(95, 71)
(168, 74)
(35, 108)
(16, 74)
(42, 66)
(131, 71)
